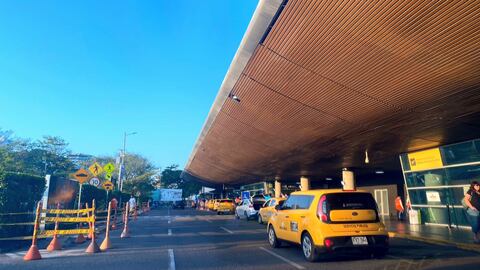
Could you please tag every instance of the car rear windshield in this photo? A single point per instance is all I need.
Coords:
(225, 201)
(350, 201)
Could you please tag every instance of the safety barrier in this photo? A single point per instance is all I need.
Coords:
(80, 222)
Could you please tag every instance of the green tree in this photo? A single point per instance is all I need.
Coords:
(171, 178)
(46, 156)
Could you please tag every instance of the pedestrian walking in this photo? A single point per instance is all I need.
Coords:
(472, 201)
(132, 203)
(399, 207)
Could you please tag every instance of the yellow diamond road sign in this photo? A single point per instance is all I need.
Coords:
(109, 168)
(81, 175)
(108, 176)
(107, 185)
(95, 169)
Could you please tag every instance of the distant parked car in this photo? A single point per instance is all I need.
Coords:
(248, 209)
(225, 206)
(179, 205)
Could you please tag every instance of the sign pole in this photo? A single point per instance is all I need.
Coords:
(79, 198)
(106, 200)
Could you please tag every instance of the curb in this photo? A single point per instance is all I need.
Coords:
(464, 246)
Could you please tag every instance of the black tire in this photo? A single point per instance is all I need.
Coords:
(309, 250)
(236, 215)
(246, 215)
(259, 219)
(272, 238)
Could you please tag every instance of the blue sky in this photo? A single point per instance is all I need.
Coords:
(89, 70)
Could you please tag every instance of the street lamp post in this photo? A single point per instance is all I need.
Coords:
(122, 163)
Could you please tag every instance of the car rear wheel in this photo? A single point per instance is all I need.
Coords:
(246, 215)
(272, 238)
(236, 215)
(308, 248)
(259, 219)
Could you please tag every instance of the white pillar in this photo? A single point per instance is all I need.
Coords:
(304, 183)
(278, 187)
(348, 178)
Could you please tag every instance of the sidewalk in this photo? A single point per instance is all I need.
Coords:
(460, 238)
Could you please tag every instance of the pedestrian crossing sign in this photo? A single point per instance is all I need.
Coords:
(95, 169)
(109, 168)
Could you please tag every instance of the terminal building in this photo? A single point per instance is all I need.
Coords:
(386, 93)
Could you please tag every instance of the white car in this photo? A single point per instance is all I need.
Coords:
(245, 210)
(248, 209)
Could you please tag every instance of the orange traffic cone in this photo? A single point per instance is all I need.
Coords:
(125, 232)
(106, 244)
(93, 247)
(33, 253)
(114, 225)
(80, 238)
(55, 244)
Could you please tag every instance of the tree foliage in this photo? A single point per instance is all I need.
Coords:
(46, 156)
(171, 178)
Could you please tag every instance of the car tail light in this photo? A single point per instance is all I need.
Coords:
(322, 209)
(251, 206)
(329, 243)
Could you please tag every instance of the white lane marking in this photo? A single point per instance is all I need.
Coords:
(208, 220)
(399, 259)
(282, 258)
(227, 230)
(171, 265)
(169, 221)
(13, 255)
(169, 231)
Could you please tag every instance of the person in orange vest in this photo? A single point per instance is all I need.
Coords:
(399, 207)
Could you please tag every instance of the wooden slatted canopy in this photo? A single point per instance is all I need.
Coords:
(328, 80)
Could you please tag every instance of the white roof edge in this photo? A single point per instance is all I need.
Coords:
(264, 13)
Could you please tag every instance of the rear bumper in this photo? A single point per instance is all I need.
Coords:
(376, 243)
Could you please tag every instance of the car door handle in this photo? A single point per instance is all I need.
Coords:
(302, 216)
(286, 216)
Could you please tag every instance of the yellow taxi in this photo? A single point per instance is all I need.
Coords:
(328, 221)
(225, 206)
(215, 205)
(268, 209)
(210, 204)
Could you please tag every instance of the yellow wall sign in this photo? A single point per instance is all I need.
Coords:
(424, 160)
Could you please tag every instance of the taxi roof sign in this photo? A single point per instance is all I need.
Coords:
(81, 176)
(95, 169)
(109, 168)
(107, 185)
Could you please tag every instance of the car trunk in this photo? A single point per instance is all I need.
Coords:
(352, 212)
(257, 204)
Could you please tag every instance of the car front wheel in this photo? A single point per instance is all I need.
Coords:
(308, 248)
(272, 238)
(259, 219)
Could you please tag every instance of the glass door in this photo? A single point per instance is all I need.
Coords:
(381, 197)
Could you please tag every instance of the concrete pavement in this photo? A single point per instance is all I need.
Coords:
(190, 239)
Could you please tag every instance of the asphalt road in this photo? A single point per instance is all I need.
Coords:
(189, 239)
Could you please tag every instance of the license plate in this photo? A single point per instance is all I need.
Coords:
(359, 241)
